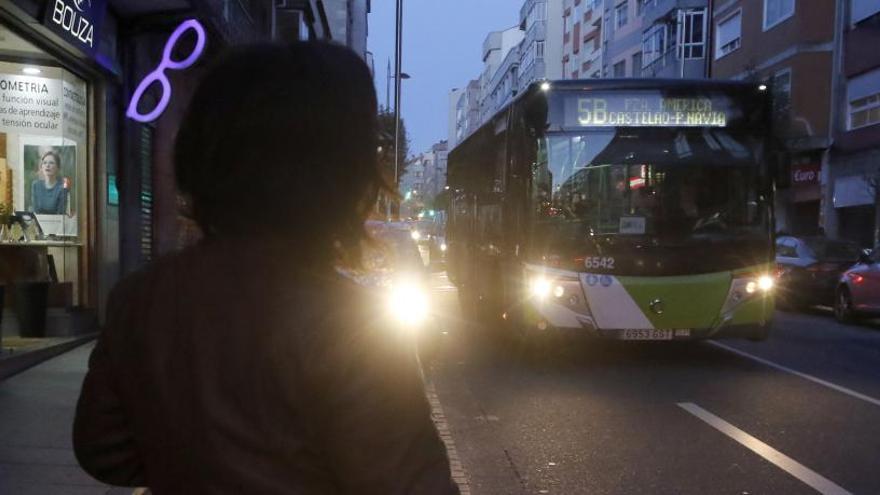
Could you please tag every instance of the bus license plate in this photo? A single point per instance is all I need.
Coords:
(641, 334)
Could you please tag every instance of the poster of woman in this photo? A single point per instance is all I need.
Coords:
(48, 179)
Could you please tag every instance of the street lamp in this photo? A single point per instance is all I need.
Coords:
(388, 78)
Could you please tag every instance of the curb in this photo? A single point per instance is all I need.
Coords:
(16, 363)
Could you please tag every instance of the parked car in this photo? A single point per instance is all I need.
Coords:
(858, 291)
(809, 269)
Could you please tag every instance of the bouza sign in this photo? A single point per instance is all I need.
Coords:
(77, 21)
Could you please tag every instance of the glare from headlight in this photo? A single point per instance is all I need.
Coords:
(752, 287)
(416, 235)
(541, 287)
(559, 291)
(765, 283)
(443, 247)
(408, 303)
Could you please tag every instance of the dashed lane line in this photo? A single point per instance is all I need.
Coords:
(824, 383)
(804, 474)
(459, 475)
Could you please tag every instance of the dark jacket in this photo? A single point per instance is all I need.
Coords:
(225, 369)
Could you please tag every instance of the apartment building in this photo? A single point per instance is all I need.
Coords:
(622, 43)
(855, 152)
(582, 42)
(791, 45)
(464, 112)
(501, 51)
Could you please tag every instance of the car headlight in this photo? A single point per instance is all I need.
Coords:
(416, 235)
(443, 246)
(408, 303)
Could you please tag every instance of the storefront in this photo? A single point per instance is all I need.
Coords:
(59, 235)
(805, 194)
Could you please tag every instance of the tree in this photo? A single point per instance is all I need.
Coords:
(386, 142)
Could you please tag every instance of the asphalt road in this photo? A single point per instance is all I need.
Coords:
(799, 413)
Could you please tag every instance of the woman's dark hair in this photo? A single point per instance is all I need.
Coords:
(281, 141)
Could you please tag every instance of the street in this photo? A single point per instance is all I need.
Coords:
(798, 413)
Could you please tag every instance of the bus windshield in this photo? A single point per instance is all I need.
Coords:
(649, 186)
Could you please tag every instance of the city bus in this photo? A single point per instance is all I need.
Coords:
(620, 209)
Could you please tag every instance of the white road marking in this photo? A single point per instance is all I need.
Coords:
(458, 473)
(806, 475)
(825, 383)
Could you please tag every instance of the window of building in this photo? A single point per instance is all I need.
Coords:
(861, 10)
(637, 65)
(776, 11)
(692, 34)
(653, 44)
(576, 36)
(620, 14)
(781, 84)
(620, 69)
(539, 50)
(863, 94)
(728, 35)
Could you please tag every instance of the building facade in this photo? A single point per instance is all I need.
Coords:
(855, 154)
(791, 46)
(497, 49)
(582, 39)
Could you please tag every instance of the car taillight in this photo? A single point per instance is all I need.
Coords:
(856, 278)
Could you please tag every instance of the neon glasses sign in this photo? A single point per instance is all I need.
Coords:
(168, 63)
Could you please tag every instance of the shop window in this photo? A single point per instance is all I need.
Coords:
(728, 35)
(44, 164)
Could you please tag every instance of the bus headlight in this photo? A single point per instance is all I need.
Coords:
(765, 283)
(408, 303)
(540, 288)
(745, 287)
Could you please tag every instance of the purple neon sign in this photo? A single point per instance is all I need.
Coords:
(168, 63)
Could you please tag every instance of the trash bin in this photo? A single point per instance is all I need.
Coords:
(31, 299)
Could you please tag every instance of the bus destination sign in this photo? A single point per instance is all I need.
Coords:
(644, 110)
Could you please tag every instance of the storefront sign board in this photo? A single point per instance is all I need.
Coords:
(77, 21)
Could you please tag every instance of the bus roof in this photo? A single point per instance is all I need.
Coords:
(616, 84)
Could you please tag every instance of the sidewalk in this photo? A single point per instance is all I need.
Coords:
(36, 417)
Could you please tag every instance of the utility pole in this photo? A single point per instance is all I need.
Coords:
(398, 55)
(388, 87)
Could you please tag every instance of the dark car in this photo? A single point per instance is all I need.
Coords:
(858, 292)
(810, 268)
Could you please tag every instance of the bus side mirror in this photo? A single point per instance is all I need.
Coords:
(781, 169)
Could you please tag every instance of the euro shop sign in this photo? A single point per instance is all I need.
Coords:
(644, 110)
(159, 74)
(77, 21)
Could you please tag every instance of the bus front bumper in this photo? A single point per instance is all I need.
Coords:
(557, 318)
